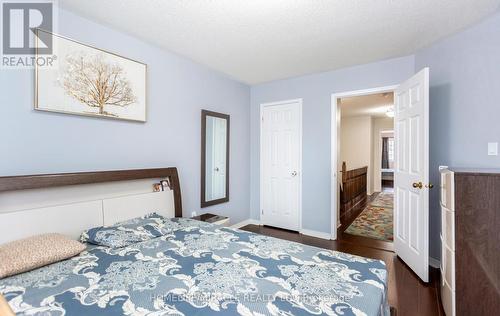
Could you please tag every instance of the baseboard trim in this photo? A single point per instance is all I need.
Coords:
(316, 234)
(245, 223)
(435, 263)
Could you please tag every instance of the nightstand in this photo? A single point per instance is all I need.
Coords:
(213, 219)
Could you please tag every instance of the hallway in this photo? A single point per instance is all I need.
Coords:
(376, 220)
(371, 224)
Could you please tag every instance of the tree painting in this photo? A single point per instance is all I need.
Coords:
(96, 83)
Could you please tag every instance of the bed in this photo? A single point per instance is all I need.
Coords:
(197, 268)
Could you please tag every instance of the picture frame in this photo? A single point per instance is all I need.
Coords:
(157, 187)
(165, 185)
(69, 87)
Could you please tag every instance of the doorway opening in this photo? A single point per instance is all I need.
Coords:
(366, 175)
(411, 171)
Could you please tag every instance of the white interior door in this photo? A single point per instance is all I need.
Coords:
(280, 164)
(411, 176)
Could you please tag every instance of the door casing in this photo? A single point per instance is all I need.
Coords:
(335, 149)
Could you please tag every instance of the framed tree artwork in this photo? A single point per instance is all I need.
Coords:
(88, 81)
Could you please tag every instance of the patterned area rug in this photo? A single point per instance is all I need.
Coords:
(384, 199)
(376, 219)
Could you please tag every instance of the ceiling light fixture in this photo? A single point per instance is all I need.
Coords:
(390, 112)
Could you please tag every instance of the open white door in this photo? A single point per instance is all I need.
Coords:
(411, 176)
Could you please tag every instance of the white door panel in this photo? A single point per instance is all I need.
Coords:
(280, 163)
(411, 177)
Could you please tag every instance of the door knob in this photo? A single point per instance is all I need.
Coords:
(418, 185)
(216, 169)
(429, 186)
(294, 173)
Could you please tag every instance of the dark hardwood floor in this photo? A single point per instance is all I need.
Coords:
(406, 293)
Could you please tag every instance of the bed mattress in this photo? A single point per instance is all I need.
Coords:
(203, 269)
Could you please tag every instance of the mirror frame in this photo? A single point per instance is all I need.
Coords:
(204, 115)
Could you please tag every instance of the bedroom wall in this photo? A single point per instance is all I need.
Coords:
(316, 90)
(37, 142)
(465, 104)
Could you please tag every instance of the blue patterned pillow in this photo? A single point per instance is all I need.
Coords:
(125, 233)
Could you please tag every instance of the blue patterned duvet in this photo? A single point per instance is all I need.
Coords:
(202, 269)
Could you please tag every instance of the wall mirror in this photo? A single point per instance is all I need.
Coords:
(214, 158)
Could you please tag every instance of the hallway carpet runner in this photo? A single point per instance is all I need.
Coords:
(375, 221)
(384, 199)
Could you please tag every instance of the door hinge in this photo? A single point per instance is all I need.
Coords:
(262, 118)
(262, 212)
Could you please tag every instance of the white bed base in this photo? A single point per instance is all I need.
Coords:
(71, 209)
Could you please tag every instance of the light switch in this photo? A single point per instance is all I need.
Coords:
(492, 149)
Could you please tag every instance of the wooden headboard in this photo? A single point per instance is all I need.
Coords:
(64, 179)
(70, 203)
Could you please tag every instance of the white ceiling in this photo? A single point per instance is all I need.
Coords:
(374, 105)
(255, 41)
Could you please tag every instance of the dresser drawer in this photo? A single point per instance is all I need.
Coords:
(441, 263)
(448, 299)
(448, 262)
(447, 191)
(448, 227)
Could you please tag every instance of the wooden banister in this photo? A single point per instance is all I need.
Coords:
(353, 189)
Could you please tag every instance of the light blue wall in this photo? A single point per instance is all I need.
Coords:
(465, 94)
(38, 142)
(316, 90)
(465, 104)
